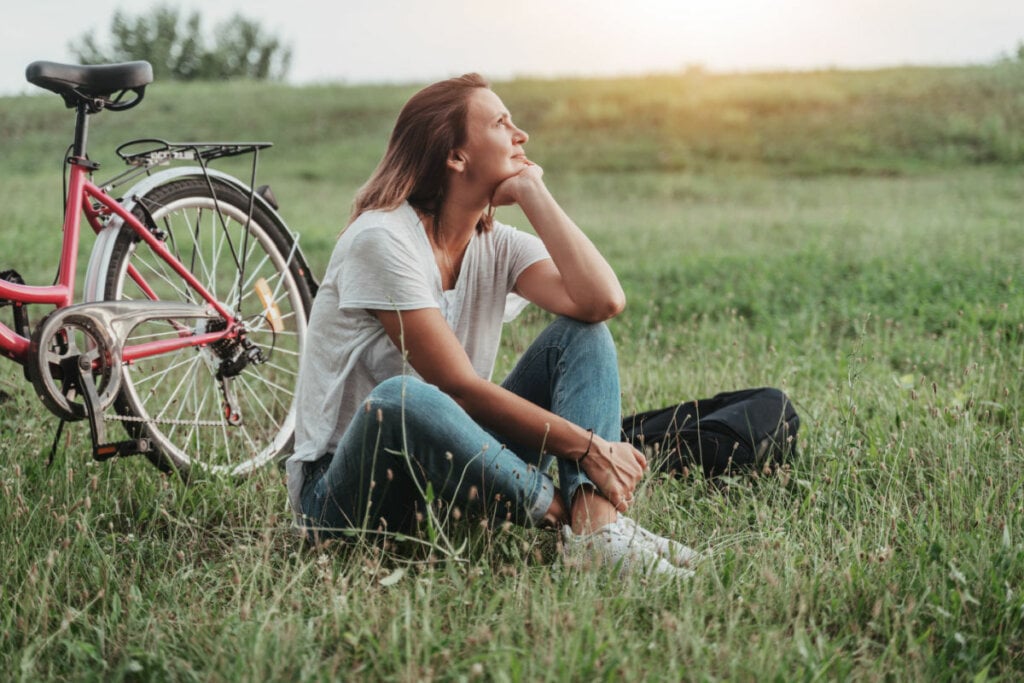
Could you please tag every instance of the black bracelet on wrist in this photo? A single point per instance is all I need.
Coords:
(589, 444)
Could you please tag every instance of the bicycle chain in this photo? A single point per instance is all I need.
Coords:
(162, 421)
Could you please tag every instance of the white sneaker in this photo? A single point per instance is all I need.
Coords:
(674, 552)
(619, 545)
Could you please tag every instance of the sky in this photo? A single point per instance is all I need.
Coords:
(416, 41)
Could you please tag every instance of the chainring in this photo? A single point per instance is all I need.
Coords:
(57, 341)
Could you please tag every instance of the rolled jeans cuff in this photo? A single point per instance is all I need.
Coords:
(542, 503)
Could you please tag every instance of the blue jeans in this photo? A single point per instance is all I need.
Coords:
(411, 437)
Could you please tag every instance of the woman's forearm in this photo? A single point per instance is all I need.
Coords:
(516, 418)
(614, 467)
(588, 278)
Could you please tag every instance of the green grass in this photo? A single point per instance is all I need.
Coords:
(854, 238)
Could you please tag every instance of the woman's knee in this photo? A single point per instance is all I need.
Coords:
(595, 339)
(405, 395)
(398, 390)
(389, 391)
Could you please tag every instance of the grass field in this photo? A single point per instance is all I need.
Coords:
(855, 238)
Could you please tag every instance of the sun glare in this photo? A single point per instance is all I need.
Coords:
(609, 36)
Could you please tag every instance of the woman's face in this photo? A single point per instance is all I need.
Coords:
(494, 146)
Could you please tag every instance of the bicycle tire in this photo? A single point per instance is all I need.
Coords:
(176, 400)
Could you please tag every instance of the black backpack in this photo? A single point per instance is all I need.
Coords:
(730, 433)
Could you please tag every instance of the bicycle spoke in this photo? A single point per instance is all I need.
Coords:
(200, 269)
(245, 288)
(253, 398)
(216, 248)
(199, 406)
(173, 398)
(287, 352)
(267, 382)
(192, 230)
(169, 232)
(182, 292)
(254, 273)
(291, 372)
(142, 380)
(227, 438)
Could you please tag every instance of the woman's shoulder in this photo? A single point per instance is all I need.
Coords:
(501, 232)
(504, 236)
(400, 218)
(382, 227)
(376, 235)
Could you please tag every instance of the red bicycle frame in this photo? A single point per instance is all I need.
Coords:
(82, 193)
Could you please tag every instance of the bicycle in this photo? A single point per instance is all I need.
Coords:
(195, 300)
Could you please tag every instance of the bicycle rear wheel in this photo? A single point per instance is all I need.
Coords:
(227, 407)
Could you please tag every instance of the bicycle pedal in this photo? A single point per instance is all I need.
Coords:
(107, 451)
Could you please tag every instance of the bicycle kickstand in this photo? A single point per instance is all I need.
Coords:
(101, 448)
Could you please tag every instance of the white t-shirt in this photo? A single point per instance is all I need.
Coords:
(384, 261)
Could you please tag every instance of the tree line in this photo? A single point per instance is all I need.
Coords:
(178, 49)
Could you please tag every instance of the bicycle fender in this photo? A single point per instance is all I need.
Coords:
(99, 258)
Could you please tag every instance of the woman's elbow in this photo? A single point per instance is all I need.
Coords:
(466, 391)
(606, 309)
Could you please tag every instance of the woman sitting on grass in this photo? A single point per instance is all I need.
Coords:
(394, 391)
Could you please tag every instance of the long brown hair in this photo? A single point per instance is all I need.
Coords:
(414, 167)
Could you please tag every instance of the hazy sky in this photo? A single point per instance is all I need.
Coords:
(420, 40)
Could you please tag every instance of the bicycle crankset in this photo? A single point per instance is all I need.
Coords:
(63, 340)
(75, 359)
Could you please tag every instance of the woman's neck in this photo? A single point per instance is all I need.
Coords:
(454, 225)
(448, 243)
(449, 233)
(461, 210)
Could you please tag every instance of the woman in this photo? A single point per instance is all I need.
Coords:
(394, 390)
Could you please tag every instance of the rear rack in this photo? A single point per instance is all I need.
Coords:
(155, 151)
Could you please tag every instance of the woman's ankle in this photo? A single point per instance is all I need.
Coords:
(590, 511)
(557, 515)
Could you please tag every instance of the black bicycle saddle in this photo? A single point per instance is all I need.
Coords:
(100, 83)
